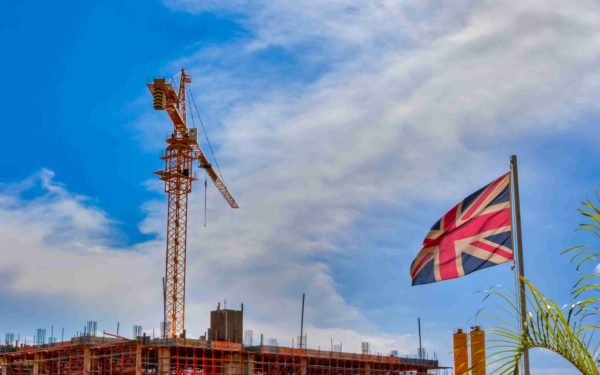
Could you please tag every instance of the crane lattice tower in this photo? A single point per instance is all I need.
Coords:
(182, 150)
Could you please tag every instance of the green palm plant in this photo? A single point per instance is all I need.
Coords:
(568, 330)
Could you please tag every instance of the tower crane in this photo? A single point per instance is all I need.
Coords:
(181, 151)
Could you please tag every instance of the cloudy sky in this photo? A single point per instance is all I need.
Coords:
(344, 129)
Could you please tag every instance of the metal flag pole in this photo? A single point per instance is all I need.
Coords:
(519, 243)
(302, 344)
(420, 347)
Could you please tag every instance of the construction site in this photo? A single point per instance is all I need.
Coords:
(223, 350)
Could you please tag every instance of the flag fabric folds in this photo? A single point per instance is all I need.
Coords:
(474, 234)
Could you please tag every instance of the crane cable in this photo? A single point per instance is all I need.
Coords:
(206, 135)
(209, 146)
(205, 183)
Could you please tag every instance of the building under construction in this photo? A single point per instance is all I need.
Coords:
(90, 355)
(221, 351)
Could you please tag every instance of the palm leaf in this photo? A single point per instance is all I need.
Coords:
(570, 334)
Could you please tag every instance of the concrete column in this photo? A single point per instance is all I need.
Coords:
(87, 361)
(6, 367)
(138, 359)
(164, 361)
(3, 366)
(367, 369)
(249, 365)
(37, 359)
(232, 364)
(303, 366)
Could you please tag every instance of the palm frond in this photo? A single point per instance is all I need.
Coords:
(570, 332)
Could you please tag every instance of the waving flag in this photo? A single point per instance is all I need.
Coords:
(474, 234)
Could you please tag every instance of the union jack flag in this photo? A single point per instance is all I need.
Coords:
(474, 234)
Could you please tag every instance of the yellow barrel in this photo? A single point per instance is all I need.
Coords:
(461, 353)
(477, 351)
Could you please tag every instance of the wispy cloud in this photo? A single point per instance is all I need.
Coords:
(408, 95)
(400, 96)
(58, 243)
(67, 243)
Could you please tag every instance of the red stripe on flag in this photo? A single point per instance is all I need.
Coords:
(448, 254)
(483, 223)
(447, 259)
(476, 205)
(492, 249)
(450, 219)
(418, 266)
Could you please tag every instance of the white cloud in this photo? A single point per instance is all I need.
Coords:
(409, 95)
(67, 244)
(58, 243)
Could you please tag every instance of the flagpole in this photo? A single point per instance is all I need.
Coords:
(519, 243)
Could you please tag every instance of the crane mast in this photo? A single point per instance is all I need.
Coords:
(181, 151)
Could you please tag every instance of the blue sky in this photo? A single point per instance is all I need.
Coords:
(344, 129)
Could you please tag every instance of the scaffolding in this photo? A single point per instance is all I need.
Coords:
(108, 356)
